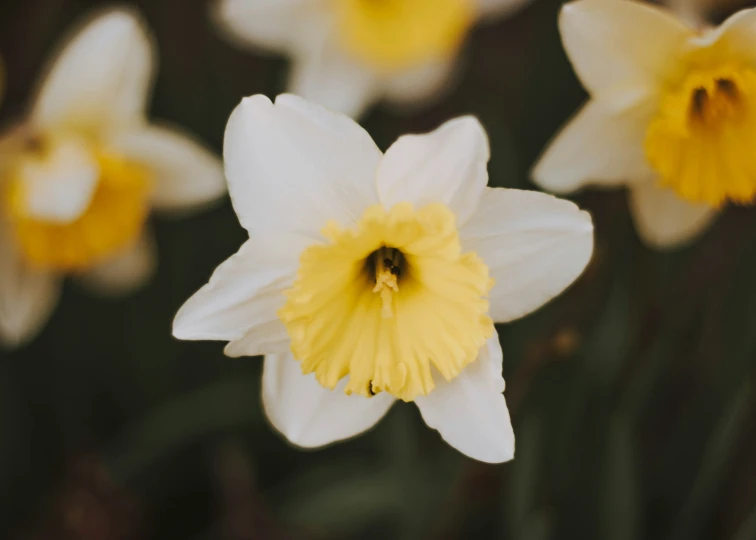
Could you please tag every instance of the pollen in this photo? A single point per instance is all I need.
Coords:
(109, 222)
(701, 140)
(392, 35)
(391, 304)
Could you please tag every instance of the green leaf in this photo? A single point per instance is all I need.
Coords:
(621, 504)
(698, 506)
(221, 405)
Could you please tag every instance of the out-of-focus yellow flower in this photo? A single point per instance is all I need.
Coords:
(672, 114)
(80, 175)
(369, 278)
(350, 53)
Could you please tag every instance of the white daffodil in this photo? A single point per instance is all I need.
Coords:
(672, 114)
(79, 176)
(348, 54)
(369, 278)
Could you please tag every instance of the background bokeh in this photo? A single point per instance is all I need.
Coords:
(632, 395)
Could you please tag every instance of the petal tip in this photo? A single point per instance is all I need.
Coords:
(542, 176)
(124, 20)
(473, 128)
(256, 101)
(183, 325)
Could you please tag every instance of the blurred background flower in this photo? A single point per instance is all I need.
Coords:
(347, 54)
(80, 173)
(631, 394)
(671, 115)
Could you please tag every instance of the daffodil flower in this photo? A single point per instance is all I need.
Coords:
(79, 176)
(348, 54)
(372, 277)
(672, 114)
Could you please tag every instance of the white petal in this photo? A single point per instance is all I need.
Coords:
(27, 296)
(308, 414)
(244, 292)
(598, 146)
(59, 187)
(445, 166)
(664, 220)
(470, 412)
(736, 34)
(126, 271)
(620, 48)
(421, 84)
(269, 337)
(499, 8)
(185, 173)
(325, 75)
(535, 246)
(270, 24)
(101, 78)
(295, 166)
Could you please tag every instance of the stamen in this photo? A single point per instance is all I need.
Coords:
(699, 102)
(728, 88)
(704, 154)
(717, 101)
(387, 269)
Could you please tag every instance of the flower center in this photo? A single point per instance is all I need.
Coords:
(701, 140)
(73, 204)
(387, 263)
(393, 35)
(389, 303)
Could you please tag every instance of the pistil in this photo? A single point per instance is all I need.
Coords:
(387, 269)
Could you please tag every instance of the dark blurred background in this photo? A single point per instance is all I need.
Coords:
(632, 395)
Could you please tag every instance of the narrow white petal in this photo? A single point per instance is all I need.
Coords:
(184, 172)
(494, 9)
(126, 271)
(325, 75)
(620, 48)
(470, 412)
(244, 292)
(664, 220)
(309, 415)
(598, 146)
(421, 84)
(448, 165)
(535, 246)
(27, 296)
(294, 166)
(270, 24)
(102, 76)
(269, 337)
